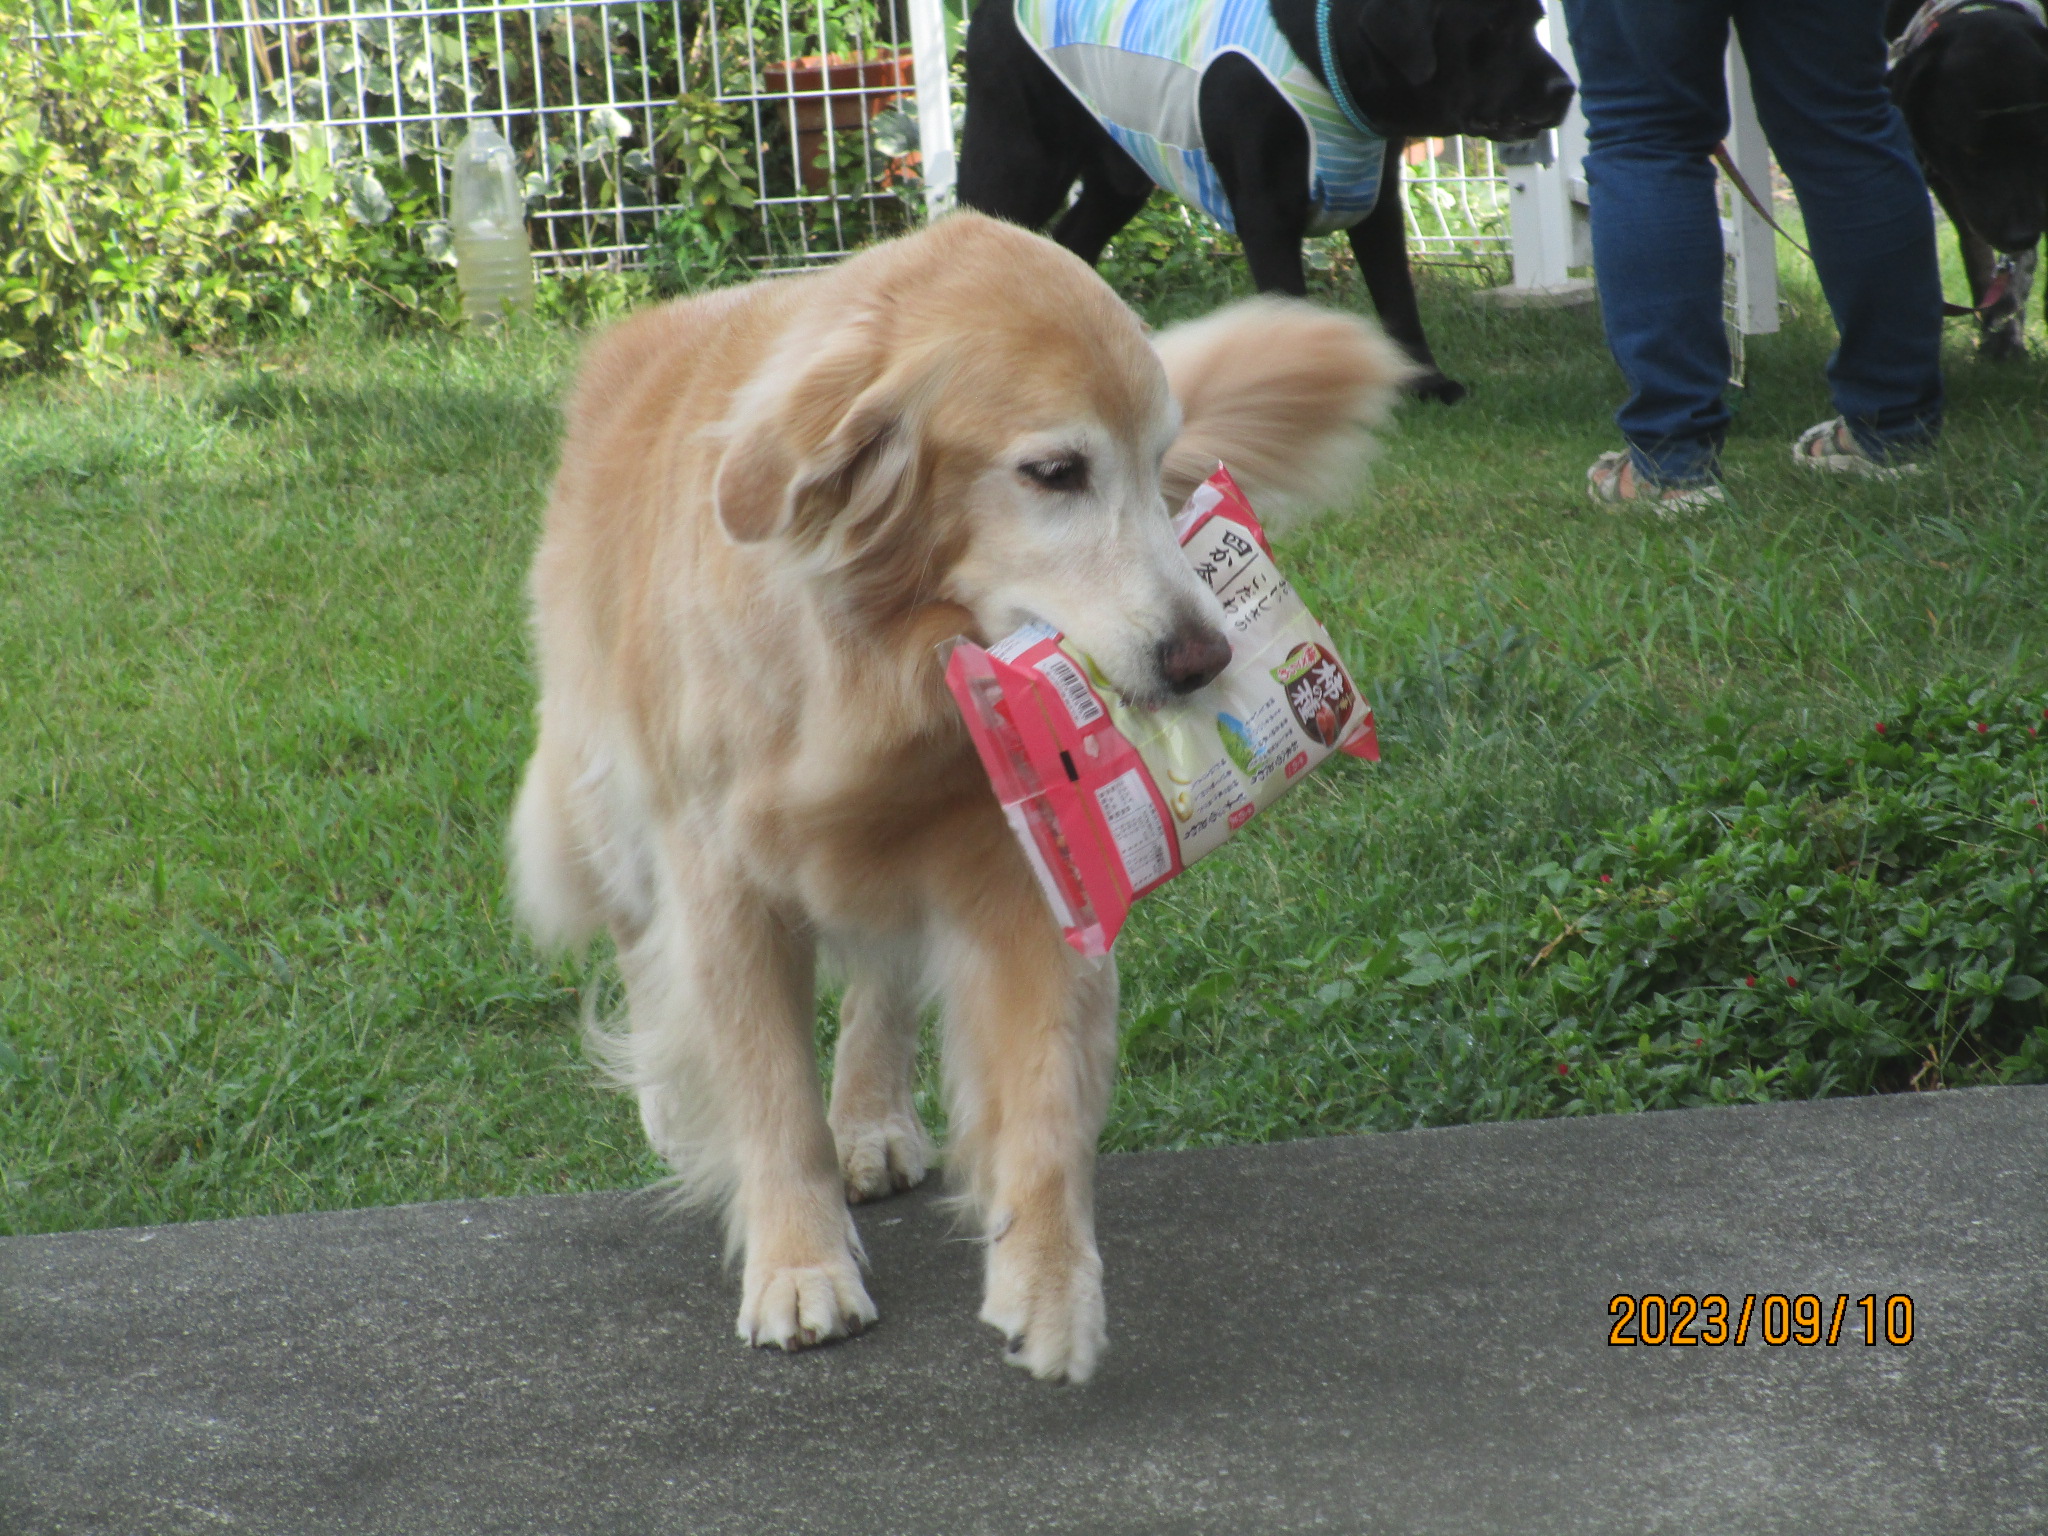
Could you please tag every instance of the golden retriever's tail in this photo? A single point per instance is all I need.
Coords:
(551, 889)
(1283, 393)
(667, 1071)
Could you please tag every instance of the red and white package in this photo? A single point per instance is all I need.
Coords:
(1111, 802)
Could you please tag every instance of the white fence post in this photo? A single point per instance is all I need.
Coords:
(1546, 206)
(933, 66)
(1751, 241)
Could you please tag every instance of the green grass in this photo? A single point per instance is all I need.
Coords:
(264, 697)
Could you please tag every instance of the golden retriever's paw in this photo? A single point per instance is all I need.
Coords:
(1051, 1316)
(791, 1308)
(881, 1158)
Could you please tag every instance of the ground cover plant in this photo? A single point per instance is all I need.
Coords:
(1798, 919)
(263, 701)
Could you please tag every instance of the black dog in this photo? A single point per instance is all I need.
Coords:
(1971, 78)
(1411, 68)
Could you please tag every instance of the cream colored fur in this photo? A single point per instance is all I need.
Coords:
(1259, 381)
(774, 505)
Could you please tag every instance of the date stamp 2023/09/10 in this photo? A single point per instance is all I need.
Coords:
(1806, 1319)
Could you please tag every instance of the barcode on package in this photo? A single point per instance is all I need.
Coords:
(1133, 822)
(1074, 690)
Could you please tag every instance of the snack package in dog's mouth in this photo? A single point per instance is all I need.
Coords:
(1109, 801)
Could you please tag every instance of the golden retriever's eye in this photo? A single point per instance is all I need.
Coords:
(1067, 472)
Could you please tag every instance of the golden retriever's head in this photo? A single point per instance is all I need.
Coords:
(970, 416)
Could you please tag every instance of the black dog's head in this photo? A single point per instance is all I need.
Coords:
(1437, 67)
(1975, 95)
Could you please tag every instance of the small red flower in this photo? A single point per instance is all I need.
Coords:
(1880, 725)
(1607, 879)
(1983, 729)
(1563, 1067)
(1700, 1043)
(1749, 981)
(1791, 981)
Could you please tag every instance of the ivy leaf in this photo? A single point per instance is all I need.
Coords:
(895, 131)
(609, 123)
(368, 202)
(437, 242)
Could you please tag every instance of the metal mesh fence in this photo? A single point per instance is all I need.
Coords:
(766, 134)
(826, 94)
(391, 84)
(1457, 199)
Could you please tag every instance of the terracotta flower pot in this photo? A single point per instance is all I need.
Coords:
(821, 94)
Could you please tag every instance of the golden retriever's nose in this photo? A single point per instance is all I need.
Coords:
(1193, 658)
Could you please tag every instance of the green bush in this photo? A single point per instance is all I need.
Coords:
(1173, 256)
(128, 204)
(707, 241)
(1808, 919)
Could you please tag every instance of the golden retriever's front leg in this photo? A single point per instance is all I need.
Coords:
(882, 1144)
(721, 997)
(1031, 1049)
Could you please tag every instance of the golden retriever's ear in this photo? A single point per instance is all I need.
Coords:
(751, 490)
(797, 456)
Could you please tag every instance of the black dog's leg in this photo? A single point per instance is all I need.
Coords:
(1273, 256)
(1026, 190)
(1026, 137)
(2024, 267)
(1110, 198)
(1260, 151)
(1380, 242)
(2001, 331)
(1999, 335)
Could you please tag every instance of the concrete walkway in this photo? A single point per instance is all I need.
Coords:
(1401, 1333)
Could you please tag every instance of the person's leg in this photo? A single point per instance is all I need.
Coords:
(1655, 98)
(1817, 67)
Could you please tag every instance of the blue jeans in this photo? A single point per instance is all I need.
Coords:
(1655, 98)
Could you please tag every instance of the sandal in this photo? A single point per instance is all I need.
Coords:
(1613, 481)
(1831, 445)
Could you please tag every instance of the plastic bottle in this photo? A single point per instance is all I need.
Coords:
(493, 262)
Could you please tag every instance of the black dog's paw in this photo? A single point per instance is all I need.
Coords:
(2002, 343)
(1435, 385)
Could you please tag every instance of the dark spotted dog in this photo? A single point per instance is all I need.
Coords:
(1971, 77)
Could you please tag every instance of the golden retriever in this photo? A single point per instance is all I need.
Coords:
(775, 504)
